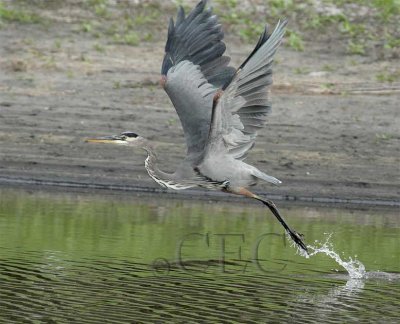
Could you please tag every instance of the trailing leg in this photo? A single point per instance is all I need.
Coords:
(296, 237)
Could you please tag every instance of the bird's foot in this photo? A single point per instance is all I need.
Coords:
(298, 239)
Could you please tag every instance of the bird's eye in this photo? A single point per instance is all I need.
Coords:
(123, 137)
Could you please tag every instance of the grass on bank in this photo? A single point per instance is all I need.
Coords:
(18, 15)
(357, 27)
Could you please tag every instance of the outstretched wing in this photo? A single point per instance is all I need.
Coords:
(193, 69)
(240, 111)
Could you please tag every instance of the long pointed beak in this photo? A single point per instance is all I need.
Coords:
(105, 139)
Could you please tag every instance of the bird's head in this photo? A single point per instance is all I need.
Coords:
(125, 138)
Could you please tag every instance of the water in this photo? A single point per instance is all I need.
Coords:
(354, 268)
(87, 258)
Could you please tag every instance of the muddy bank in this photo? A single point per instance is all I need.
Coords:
(331, 134)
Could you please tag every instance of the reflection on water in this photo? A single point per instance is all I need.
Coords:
(85, 258)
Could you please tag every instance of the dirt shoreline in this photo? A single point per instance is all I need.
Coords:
(333, 133)
(51, 186)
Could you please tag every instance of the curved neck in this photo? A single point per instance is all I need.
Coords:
(151, 164)
(166, 180)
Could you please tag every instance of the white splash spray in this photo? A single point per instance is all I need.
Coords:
(355, 268)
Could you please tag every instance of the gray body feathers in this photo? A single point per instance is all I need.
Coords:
(220, 131)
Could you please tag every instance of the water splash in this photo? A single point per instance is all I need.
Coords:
(355, 268)
(299, 250)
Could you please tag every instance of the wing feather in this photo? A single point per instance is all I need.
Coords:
(188, 89)
(241, 110)
(195, 47)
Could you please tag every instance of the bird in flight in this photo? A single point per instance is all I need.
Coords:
(221, 108)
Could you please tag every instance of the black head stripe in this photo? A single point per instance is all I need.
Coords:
(130, 134)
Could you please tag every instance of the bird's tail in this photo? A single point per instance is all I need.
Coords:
(261, 175)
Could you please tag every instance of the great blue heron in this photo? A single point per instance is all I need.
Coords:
(220, 108)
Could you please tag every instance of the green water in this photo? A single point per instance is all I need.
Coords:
(105, 258)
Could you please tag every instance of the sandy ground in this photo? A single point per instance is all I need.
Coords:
(331, 133)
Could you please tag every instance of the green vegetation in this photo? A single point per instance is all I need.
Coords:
(18, 15)
(129, 25)
(373, 30)
(355, 48)
(392, 42)
(387, 8)
(389, 76)
(84, 58)
(328, 86)
(99, 7)
(70, 74)
(301, 70)
(295, 41)
(376, 25)
(87, 27)
(238, 20)
(101, 10)
(113, 22)
(57, 44)
(130, 38)
(98, 47)
(328, 68)
(116, 85)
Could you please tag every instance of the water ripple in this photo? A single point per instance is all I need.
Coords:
(70, 259)
(120, 291)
